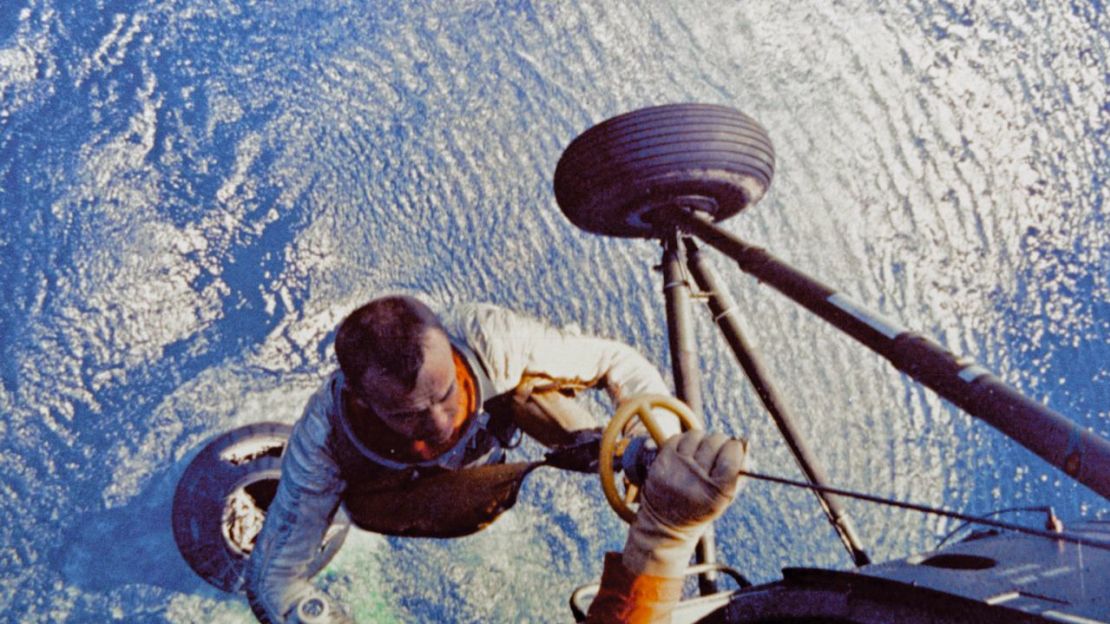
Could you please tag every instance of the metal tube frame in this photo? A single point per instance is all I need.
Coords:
(687, 374)
(1081, 454)
(727, 317)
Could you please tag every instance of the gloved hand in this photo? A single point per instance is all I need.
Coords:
(691, 483)
(317, 608)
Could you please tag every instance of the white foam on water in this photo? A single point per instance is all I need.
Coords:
(223, 183)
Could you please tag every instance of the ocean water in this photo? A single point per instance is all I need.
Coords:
(193, 193)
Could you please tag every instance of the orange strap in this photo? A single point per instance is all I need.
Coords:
(627, 598)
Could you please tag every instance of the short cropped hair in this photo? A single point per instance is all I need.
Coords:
(385, 334)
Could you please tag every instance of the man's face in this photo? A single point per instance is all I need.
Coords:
(427, 411)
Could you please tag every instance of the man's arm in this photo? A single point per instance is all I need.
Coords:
(513, 345)
(307, 497)
(692, 481)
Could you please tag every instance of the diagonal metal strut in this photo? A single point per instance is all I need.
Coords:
(727, 317)
(1081, 454)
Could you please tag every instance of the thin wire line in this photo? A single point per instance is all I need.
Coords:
(1045, 509)
(1065, 537)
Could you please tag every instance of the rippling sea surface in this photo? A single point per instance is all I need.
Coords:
(193, 194)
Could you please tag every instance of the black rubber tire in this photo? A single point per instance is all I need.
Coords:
(711, 157)
(246, 458)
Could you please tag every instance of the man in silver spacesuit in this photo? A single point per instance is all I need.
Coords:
(417, 397)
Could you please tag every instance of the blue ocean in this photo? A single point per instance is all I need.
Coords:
(193, 193)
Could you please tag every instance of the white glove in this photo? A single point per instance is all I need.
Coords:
(690, 483)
